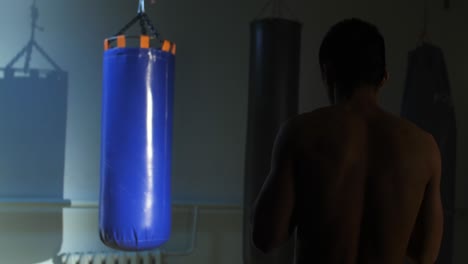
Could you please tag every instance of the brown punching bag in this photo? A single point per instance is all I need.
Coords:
(273, 98)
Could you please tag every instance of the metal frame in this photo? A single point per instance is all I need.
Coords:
(74, 204)
(83, 204)
(28, 49)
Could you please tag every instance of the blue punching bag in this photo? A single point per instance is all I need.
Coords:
(137, 103)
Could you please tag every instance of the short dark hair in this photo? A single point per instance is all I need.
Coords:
(353, 54)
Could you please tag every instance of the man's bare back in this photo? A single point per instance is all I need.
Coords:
(353, 182)
(361, 179)
(360, 185)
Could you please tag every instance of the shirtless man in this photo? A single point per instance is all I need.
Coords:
(359, 184)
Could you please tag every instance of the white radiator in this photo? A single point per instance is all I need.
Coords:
(153, 257)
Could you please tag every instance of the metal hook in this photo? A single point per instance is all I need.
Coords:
(141, 7)
(424, 37)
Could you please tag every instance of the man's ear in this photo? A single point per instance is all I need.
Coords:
(385, 78)
(323, 72)
(327, 80)
(328, 74)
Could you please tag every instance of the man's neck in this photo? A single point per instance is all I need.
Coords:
(364, 98)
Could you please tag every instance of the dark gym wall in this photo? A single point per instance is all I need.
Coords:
(211, 90)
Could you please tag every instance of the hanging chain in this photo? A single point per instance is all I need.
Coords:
(425, 17)
(278, 8)
(151, 27)
(447, 4)
(142, 25)
(147, 28)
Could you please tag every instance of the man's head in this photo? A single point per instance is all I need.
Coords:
(352, 55)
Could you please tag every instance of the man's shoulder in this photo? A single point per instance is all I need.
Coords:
(323, 116)
(306, 123)
(412, 134)
(409, 128)
(318, 114)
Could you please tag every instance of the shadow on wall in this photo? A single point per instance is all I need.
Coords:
(33, 113)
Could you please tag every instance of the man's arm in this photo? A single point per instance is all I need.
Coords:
(426, 238)
(272, 216)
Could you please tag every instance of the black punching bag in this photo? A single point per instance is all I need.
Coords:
(273, 98)
(427, 102)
